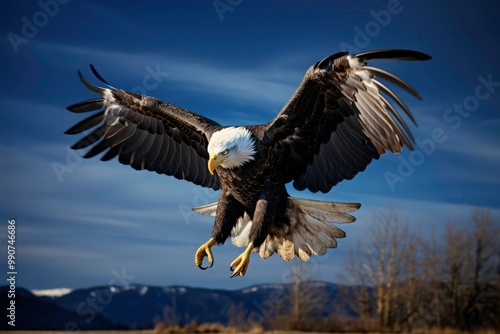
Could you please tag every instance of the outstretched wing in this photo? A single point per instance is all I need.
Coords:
(339, 119)
(145, 133)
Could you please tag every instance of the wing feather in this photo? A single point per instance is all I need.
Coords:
(400, 103)
(388, 76)
(111, 153)
(145, 133)
(160, 157)
(90, 138)
(153, 152)
(96, 149)
(339, 120)
(84, 106)
(137, 161)
(86, 124)
(171, 156)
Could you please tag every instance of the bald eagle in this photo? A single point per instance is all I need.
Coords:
(336, 122)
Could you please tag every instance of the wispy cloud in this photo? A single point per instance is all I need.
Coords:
(61, 254)
(255, 84)
(259, 82)
(476, 146)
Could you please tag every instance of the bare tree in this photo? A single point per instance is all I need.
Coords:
(388, 260)
(170, 316)
(237, 315)
(484, 238)
(468, 273)
(307, 298)
(430, 306)
(408, 284)
(456, 266)
(410, 289)
(358, 295)
(496, 293)
(390, 244)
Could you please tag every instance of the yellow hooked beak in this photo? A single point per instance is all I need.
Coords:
(214, 161)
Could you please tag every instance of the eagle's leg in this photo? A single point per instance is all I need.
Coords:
(264, 211)
(240, 265)
(205, 250)
(228, 211)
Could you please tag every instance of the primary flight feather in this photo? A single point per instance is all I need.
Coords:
(337, 121)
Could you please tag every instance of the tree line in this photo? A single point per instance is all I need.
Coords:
(398, 280)
(419, 284)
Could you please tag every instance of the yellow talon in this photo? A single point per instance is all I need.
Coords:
(241, 262)
(205, 250)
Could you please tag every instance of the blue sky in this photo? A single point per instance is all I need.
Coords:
(237, 64)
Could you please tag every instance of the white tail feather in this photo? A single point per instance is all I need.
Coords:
(310, 233)
(208, 209)
(241, 231)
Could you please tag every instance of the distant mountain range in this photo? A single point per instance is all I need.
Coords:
(141, 306)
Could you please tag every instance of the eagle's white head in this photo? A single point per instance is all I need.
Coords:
(230, 148)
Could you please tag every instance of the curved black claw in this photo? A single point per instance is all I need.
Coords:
(211, 264)
(234, 273)
(204, 252)
(240, 265)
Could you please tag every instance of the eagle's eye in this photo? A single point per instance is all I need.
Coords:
(225, 152)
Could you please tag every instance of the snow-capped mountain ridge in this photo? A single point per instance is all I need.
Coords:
(143, 305)
(58, 292)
